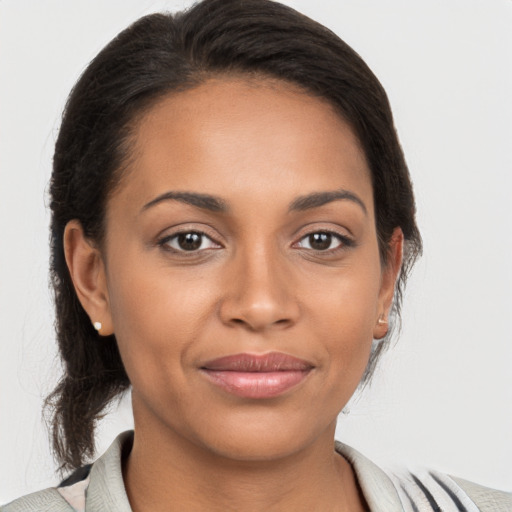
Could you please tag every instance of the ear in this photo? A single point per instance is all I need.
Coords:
(389, 276)
(87, 271)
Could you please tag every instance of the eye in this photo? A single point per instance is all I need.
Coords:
(322, 241)
(189, 241)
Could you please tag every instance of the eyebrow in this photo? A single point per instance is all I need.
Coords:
(317, 199)
(205, 201)
(216, 204)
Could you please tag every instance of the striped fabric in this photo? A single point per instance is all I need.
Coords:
(432, 491)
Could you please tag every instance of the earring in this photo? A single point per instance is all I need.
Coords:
(97, 326)
(382, 320)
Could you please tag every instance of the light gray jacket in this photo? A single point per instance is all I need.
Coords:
(102, 489)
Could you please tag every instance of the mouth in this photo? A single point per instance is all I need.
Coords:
(257, 376)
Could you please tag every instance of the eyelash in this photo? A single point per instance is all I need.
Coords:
(165, 242)
(344, 242)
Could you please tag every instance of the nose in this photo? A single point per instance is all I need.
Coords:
(259, 294)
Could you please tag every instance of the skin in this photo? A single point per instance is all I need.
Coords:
(256, 285)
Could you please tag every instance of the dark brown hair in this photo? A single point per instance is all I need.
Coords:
(158, 54)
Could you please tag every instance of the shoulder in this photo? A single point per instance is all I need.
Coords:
(69, 496)
(487, 499)
(419, 490)
(49, 500)
(94, 487)
(432, 490)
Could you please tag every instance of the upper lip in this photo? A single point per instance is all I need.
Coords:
(270, 362)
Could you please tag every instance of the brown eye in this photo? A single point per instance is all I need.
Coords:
(188, 241)
(322, 241)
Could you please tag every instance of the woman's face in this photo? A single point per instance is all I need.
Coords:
(243, 277)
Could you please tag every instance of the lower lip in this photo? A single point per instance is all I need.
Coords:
(256, 384)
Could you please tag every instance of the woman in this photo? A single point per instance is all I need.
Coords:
(232, 219)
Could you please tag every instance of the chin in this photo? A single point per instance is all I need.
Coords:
(263, 439)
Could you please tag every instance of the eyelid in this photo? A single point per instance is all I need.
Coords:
(333, 235)
(346, 241)
(165, 242)
(168, 234)
(323, 227)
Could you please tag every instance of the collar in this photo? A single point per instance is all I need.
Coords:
(378, 489)
(106, 489)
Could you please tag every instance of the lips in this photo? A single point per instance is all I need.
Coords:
(257, 376)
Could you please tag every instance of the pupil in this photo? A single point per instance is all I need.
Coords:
(320, 241)
(189, 241)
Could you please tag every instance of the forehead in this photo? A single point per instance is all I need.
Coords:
(242, 136)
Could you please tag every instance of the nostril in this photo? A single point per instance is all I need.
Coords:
(257, 309)
(252, 325)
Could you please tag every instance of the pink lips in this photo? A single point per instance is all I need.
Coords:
(257, 376)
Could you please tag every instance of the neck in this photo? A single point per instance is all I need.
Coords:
(167, 472)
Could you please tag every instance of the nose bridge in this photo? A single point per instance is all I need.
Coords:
(260, 294)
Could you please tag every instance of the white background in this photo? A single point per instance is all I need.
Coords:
(443, 394)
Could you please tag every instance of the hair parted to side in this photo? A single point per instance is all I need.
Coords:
(163, 53)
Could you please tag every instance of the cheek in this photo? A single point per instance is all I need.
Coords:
(345, 309)
(156, 317)
(152, 297)
(349, 300)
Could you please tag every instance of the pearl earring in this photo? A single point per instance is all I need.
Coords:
(97, 325)
(382, 321)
